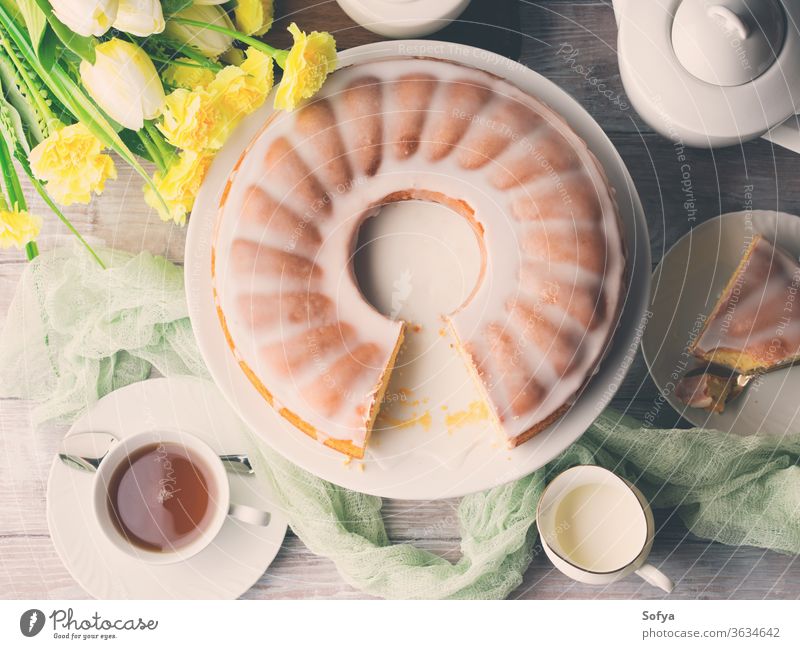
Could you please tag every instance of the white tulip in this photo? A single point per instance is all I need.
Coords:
(124, 83)
(86, 17)
(207, 42)
(140, 17)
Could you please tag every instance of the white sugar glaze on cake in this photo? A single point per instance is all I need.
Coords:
(553, 271)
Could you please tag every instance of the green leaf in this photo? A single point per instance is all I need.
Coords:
(35, 19)
(174, 6)
(11, 8)
(12, 128)
(25, 90)
(83, 46)
(13, 97)
(16, 197)
(48, 49)
(134, 143)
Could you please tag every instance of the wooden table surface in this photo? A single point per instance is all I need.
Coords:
(536, 31)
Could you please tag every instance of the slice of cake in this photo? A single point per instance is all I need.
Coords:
(755, 325)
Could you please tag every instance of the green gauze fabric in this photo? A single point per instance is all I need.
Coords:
(75, 332)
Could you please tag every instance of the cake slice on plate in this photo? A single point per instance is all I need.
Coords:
(755, 325)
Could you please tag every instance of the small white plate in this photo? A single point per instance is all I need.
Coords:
(428, 460)
(686, 286)
(228, 567)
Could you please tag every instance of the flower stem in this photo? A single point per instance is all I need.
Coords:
(208, 65)
(16, 197)
(31, 250)
(14, 190)
(167, 152)
(278, 55)
(152, 150)
(39, 187)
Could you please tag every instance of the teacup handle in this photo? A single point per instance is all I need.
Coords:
(655, 577)
(250, 515)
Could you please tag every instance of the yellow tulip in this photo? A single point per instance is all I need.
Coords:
(253, 17)
(124, 83)
(140, 17)
(207, 42)
(309, 62)
(179, 186)
(72, 164)
(18, 228)
(86, 17)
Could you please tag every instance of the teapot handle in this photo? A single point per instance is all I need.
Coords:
(786, 134)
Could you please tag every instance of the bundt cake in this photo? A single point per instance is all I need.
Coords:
(553, 261)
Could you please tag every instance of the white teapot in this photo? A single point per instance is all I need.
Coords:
(713, 73)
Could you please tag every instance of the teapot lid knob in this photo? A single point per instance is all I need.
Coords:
(728, 42)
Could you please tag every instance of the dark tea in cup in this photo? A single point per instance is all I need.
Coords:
(160, 497)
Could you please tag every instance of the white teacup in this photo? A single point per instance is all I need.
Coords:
(597, 527)
(217, 487)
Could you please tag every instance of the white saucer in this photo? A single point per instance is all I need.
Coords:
(424, 461)
(226, 568)
(686, 286)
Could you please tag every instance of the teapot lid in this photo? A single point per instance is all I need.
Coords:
(728, 42)
(703, 112)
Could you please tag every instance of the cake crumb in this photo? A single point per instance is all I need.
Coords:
(476, 411)
(363, 468)
(425, 420)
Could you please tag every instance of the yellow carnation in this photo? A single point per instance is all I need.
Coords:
(193, 120)
(241, 90)
(18, 228)
(309, 62)
(179, 186)
(190, 77)
(253, 17)
(73, 165)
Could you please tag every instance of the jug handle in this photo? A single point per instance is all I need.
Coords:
(655, 577)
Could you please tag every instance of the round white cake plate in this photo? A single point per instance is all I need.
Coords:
(225, 569)
(686, 286)
(423, 457)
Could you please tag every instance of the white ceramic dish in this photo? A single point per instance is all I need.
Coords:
(403, 18)
(686, 285)
(427, 460)
(227, 567)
